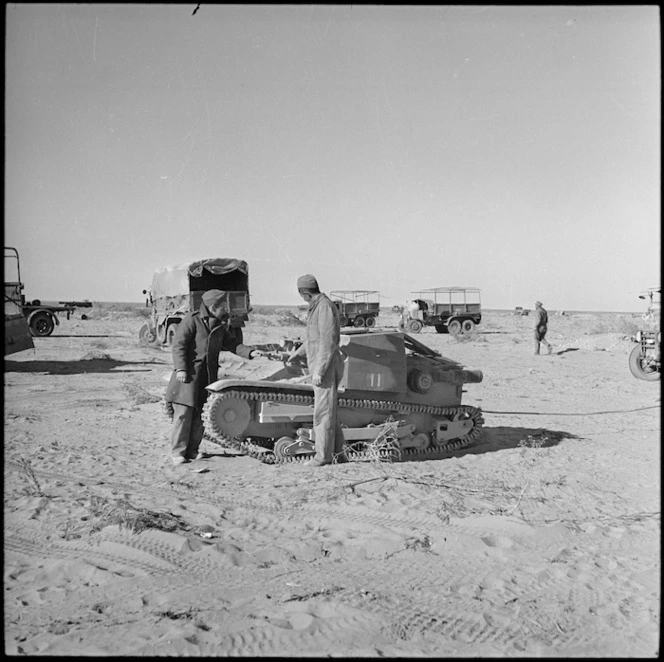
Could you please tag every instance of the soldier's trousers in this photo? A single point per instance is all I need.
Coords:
(327, 431)
(187, 431)
(540, 338)
(329, 437)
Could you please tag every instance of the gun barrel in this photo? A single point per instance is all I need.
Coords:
(459, 376)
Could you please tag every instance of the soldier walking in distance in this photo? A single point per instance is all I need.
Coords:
(326, 368)
(201, 336)
(541, 323)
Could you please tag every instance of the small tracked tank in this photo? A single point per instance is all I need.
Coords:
(398, 399)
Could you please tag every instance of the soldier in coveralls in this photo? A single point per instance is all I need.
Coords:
(541, 321)
(201, 336)
(326, 368)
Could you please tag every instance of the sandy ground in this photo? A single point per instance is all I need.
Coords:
(542, 539)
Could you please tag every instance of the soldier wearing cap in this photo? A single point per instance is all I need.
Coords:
(541, 322)
(201, 336)
(326, 368)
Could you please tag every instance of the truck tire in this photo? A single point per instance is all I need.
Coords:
(468, 326)
(370, 322)
(41, 323)
(401, 325)
(358, 322)
(454, 327)
(415, 326)
(146, 334)
(343, 321)
(637, 369)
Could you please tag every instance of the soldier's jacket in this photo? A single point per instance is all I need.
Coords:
(322, 344)
(541, 318)
(196, 347)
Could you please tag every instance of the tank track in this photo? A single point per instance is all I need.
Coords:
(262, 453)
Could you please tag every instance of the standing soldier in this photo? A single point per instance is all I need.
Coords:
(541, 321)
(326, 368)
(201, 336)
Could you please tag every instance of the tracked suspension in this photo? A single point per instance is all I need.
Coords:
(261, 448)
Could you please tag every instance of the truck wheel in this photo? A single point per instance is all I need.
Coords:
(454, 327)
(401, 325)
(414, 326)
(358, 322)
(343, 321)
(170, 334)
(146, 334)
(42, 324)
(638, 369)
(370, 322)
(468, 326)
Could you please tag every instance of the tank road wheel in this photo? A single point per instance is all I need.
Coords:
(343, 321)
(358, 322)
(454, 327)
(468, 326)
(229, 416)
(42, 324)
(370, 322)
(286, 448)
(146, 335)
(170, 334)
(415, 326)
(640, 368)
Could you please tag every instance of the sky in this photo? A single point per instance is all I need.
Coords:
(394, 148)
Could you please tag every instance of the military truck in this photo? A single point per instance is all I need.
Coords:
(41, 318)
(179, 289)
(18, 336)
(358, 308)
(645, 359)
(448, 309)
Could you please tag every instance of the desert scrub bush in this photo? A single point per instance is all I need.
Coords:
(123, 514)
(622, 325)
(33, 487)
(111, 309)
(276, 318)
(137, 395)
(473, 336)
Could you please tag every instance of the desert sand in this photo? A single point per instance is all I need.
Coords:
(541, 539)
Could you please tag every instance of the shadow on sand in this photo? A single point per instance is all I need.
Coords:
(81, 366)
(495, 439)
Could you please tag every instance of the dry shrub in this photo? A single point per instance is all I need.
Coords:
(114, 310)
(137, 395)
(473, 336)
(34, 487)
(96, 355)
(620, 325)
(123, 514)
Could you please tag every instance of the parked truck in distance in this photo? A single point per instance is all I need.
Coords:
(358, 308)
(17, 332)
(42, 318)
(179, 289)
(448, 309)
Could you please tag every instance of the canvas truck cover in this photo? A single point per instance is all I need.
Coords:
(175, 281)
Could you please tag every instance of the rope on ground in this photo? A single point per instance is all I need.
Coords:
(549, 413)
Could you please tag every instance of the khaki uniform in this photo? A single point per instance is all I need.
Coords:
(324, 359)
(541, 322)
